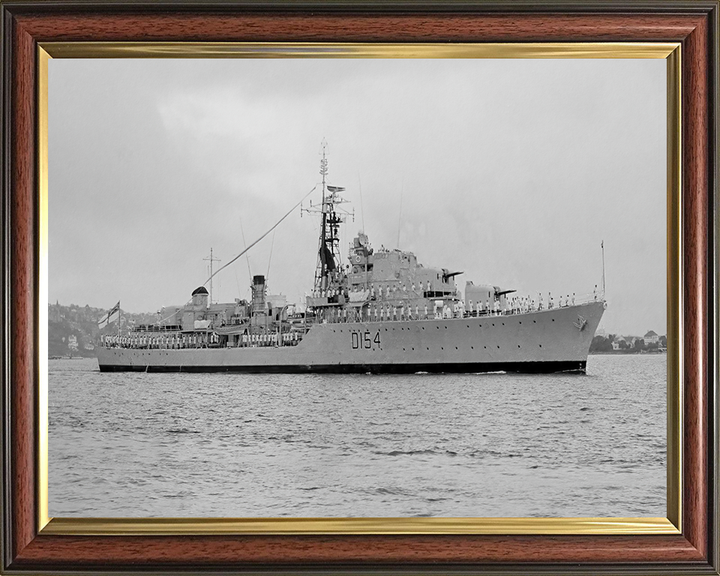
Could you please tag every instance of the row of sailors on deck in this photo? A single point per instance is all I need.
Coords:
(384, 313)
(270, 339)
(378, 291)
(459, 309)
(515, 305)
(389, 313)
(519, 305)
(172, 341)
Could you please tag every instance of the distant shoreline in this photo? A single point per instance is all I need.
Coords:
(616, 352)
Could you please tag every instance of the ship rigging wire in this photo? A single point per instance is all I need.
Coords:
(402, 189)
(362, 211)
(261, 237)
(247, 256)
(272, 243)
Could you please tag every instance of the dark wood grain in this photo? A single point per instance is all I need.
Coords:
(318, 550)
(23, 291)
(689, 552)
(358, 27)
(695, 199)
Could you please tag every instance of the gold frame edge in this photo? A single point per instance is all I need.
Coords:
(358, 50)
(674, 289)
(178, 526)
(348, 526)
(43, 212)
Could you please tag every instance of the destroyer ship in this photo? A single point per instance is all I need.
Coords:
(381, 312)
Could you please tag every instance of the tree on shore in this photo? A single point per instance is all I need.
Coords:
(602, 343)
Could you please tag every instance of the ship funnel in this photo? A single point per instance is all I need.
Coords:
(200, 297)
(258, 294)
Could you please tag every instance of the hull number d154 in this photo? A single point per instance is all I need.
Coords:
(365, 340)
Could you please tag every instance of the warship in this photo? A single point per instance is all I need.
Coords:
(381, 312)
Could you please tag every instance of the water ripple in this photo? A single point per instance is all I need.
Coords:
(214, 445)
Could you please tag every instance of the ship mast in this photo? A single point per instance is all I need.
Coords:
(328, 263)
(321, 272)
(211, 259)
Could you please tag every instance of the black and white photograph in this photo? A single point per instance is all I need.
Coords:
(357, 287)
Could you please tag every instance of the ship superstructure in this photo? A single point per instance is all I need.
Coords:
(381, 312)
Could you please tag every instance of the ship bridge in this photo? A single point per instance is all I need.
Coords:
(395, 276)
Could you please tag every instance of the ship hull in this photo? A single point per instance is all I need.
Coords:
(555, 340)
(450, 368)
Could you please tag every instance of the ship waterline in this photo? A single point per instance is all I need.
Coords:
(550, 340)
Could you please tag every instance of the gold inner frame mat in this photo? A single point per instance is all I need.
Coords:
(177, 526)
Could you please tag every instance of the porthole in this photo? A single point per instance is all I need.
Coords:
(518, 345)
(553, 319)
(519, 322)
(498, 346)
(540, 345)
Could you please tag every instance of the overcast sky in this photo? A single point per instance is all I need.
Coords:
(512, 171)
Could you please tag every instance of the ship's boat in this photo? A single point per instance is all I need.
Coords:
(382, 312)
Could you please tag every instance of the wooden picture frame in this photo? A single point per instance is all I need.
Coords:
(30, 546)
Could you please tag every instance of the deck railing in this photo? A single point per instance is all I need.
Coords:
(209, 339)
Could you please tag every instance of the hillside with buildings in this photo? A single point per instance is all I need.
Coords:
(73, 330)
(617, 344)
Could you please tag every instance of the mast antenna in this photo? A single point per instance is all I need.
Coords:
(211, 259)
(602, 249)
(402, 186)
(328, 270)
(321, 279)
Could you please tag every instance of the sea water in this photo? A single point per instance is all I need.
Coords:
(249, 445)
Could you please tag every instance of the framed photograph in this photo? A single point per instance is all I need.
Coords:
(368, 287)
